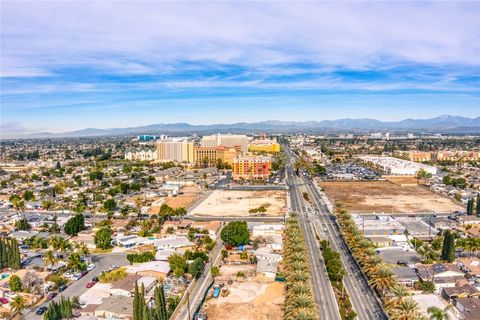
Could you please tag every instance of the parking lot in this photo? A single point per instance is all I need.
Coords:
(77, 288)
(393, 256)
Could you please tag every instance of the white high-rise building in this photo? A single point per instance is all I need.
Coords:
(226, 140)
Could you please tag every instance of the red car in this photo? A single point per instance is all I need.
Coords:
(3, 300)
(91, 284)
(51, 295)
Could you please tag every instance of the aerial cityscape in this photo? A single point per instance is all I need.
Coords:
(194, 160)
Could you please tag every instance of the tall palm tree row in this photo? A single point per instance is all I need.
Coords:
(394, 296)
(299, 304)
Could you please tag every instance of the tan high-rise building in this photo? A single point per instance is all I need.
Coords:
(226, 140)
(178, 151)
(208, 156)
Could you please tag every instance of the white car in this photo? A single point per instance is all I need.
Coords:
(90, 267)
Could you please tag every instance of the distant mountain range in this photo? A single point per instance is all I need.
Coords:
(441, 124)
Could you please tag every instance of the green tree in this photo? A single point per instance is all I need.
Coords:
(74, 225)
(50, 259)
(110, 204)
(28, 195)
(160, 303)
(178, 264)
(22, 224)
(215, 271)
(103, 238)
(195, 267)
(448, 249)
(438, 314)
(470, 207)
(15, 283)
(478, 205)
(235, 233)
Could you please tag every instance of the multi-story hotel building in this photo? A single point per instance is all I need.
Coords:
(178, 151)
(269, 146)
(251, 167)
(141, 155)
(226, 140)
(209, 155)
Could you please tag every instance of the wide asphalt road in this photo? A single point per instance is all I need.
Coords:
(77, 288)
(364, 301)
(324, 296)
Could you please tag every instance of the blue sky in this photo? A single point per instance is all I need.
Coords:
(69, 65)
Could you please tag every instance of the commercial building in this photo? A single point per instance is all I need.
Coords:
(146, 137)
(397, 166)
(251, 167)
(208, 156)
(178, 151)
(457, 155)
(266, 145)
(416, 156)
(226, 140)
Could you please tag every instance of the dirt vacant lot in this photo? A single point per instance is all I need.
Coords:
(186, 199)
(386, 196)
(238, 203)
(248, 301)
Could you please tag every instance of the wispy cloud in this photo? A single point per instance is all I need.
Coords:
(59, 53)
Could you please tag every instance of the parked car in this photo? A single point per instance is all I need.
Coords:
(91, 284)
(62, 288)
(78, 276)
(3, 300)
(40, 310)
(10, 294)
(95, 279)
(51, 295)
(84, 272)
(113, 267)
(90, 267)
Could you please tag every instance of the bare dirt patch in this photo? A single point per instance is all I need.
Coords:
(186, 199)
(248, 301)
(238, 203)
(386, 196)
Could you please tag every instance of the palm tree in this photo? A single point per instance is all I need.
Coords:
(74, 261)
(17, 304)
(438, 314)
(83, 250)
(50, 259)
(138, 204)
(407, 309)
(398, 294)
(382, 280)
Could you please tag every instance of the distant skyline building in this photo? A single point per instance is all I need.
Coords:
(226, 140)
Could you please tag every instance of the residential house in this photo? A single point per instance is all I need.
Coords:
(157, 269)
(115, 307)
(469, 307)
